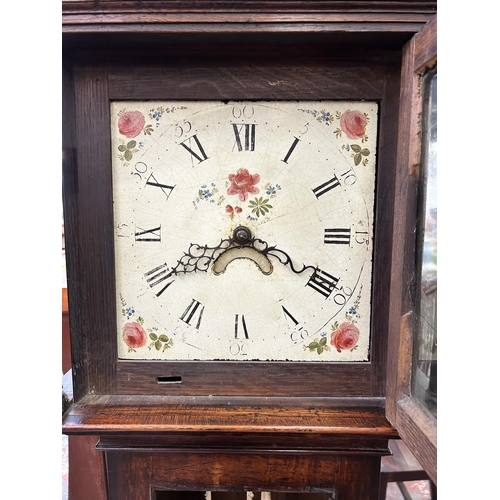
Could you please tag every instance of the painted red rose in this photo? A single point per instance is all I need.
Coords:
(243, 183)
(353, 123)
(345, 337)
(134, 335)
(131, 123)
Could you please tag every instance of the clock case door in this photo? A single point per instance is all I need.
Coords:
(416, 426)
(236, 67)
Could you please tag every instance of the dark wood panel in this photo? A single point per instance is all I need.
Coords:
(426, 46)
(350, 477)
(233, 79)
(258, 5)
(417, 428)
(233, 378)
(90, 239)
(403, 248)
(150, 414)
(419, 433)
(384, 214)
(254, 443)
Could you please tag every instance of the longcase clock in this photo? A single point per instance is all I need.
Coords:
(230, 191)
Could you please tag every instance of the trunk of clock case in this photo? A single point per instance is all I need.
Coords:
(311, 70)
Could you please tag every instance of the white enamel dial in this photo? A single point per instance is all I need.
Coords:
(298, 176)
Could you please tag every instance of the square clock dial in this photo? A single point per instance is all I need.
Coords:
(243, 230)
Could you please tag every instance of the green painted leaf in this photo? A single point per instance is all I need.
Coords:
(313, 345)
(322, 341)
(131, 144)
(127, 155)
(357, 159)
(158, 345)
(153, 336)
(122, 148)
(365, 152)
(355, 148)
(320, 349)
(164, 338)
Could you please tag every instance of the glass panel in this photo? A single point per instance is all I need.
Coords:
(425, 349)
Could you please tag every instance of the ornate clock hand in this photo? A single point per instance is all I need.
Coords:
(199, 258)
(240, 246)
(254, 249)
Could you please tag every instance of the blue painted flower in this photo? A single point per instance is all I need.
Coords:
(326, 117)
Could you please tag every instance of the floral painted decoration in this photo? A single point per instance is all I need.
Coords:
(318, 345)
(358, 153)
(353, 123)
(160, 340)
(134, 335)
(260, 207)
(242, 184)
(344, 336)
(131, 123)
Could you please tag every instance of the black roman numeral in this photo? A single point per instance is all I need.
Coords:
(249, 136)
(290, 151)
(190, 312)
(157, 276)
(338, 236)
(327, 186)
(194, 143)
(167, 190)
(153, 234)
(237, 330)
(322, 282)
(287, 313)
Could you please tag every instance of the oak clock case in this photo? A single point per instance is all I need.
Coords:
(243, 229)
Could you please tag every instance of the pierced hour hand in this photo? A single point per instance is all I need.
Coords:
(240, 246)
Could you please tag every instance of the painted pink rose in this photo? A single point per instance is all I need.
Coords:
(134, 335)
(345, 337)
(243, 183)
(353, 123)
(131, 123)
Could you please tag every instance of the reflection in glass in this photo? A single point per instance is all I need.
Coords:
(424, 387)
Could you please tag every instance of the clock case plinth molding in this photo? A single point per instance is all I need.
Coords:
(325, 51)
